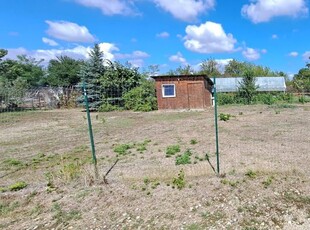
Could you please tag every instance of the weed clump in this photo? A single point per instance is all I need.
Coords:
(179, 181)
(251, 174)
(18, 186)
(172, 150)
(183, 159)
(122, 149)
(224, 116)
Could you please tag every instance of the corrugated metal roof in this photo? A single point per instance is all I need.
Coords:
(268, 84)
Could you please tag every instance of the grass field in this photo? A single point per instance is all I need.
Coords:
(162, 179)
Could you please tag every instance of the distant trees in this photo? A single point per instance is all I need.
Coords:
(17, 76)
(301, 80)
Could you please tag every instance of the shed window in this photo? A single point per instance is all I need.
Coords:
(168, 90)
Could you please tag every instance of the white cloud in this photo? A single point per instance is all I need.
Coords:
(78, 52)
(111, 7)
(264, 51)
(136, 62)
(12, 53)
(274, 36)
(264, 10)
(178, 58)
(49, 41)
(163, 35)
(251, 54)
(208, 38)
(306, 56)
(293, 54)
(134, 55)
(69, 31)
(185, 10)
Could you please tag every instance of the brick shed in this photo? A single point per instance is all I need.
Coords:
(183, 91)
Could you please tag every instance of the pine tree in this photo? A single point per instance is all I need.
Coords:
(90, 73)
(247, 87)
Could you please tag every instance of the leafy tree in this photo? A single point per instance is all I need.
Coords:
(301, 81)
(181, 70)
(16, 76)
(63, 71)
(3, 53)
(117, 80)
(234, 68)
(210, 68)
(247, 88)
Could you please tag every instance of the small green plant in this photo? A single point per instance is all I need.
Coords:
(179, 181)
(141, 147)
(155, 184)
(185, 158)
(18, 186)
(146, 180)
(122, 149)
(172, 150)
(229, 182)
(251, 174)
(50, 182)
(268, 181)
(224, 116)
(193, 141)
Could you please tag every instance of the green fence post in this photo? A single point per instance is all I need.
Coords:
(90, 129)
(216, 128)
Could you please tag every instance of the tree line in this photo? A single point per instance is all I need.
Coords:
(111, 84)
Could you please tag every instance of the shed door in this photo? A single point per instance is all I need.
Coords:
(195, 95)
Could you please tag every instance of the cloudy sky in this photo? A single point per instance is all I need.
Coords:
(168, 33)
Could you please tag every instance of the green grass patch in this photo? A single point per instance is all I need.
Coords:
(172, 150)
(185, 158)
(18, 186)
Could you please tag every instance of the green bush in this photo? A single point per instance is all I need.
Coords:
(141, 98)
(107, 107)
(265, 98)
(226, 98)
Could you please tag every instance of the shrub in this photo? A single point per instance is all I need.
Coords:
(226, 98)
(107, 107)
(141, 98)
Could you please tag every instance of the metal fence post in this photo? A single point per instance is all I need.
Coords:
(216, 128)
(90, 130)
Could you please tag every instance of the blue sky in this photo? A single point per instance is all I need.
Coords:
(168, 33)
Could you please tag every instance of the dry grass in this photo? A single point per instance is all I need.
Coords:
(264, 154)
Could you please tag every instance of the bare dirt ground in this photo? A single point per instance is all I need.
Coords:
(47, 180)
